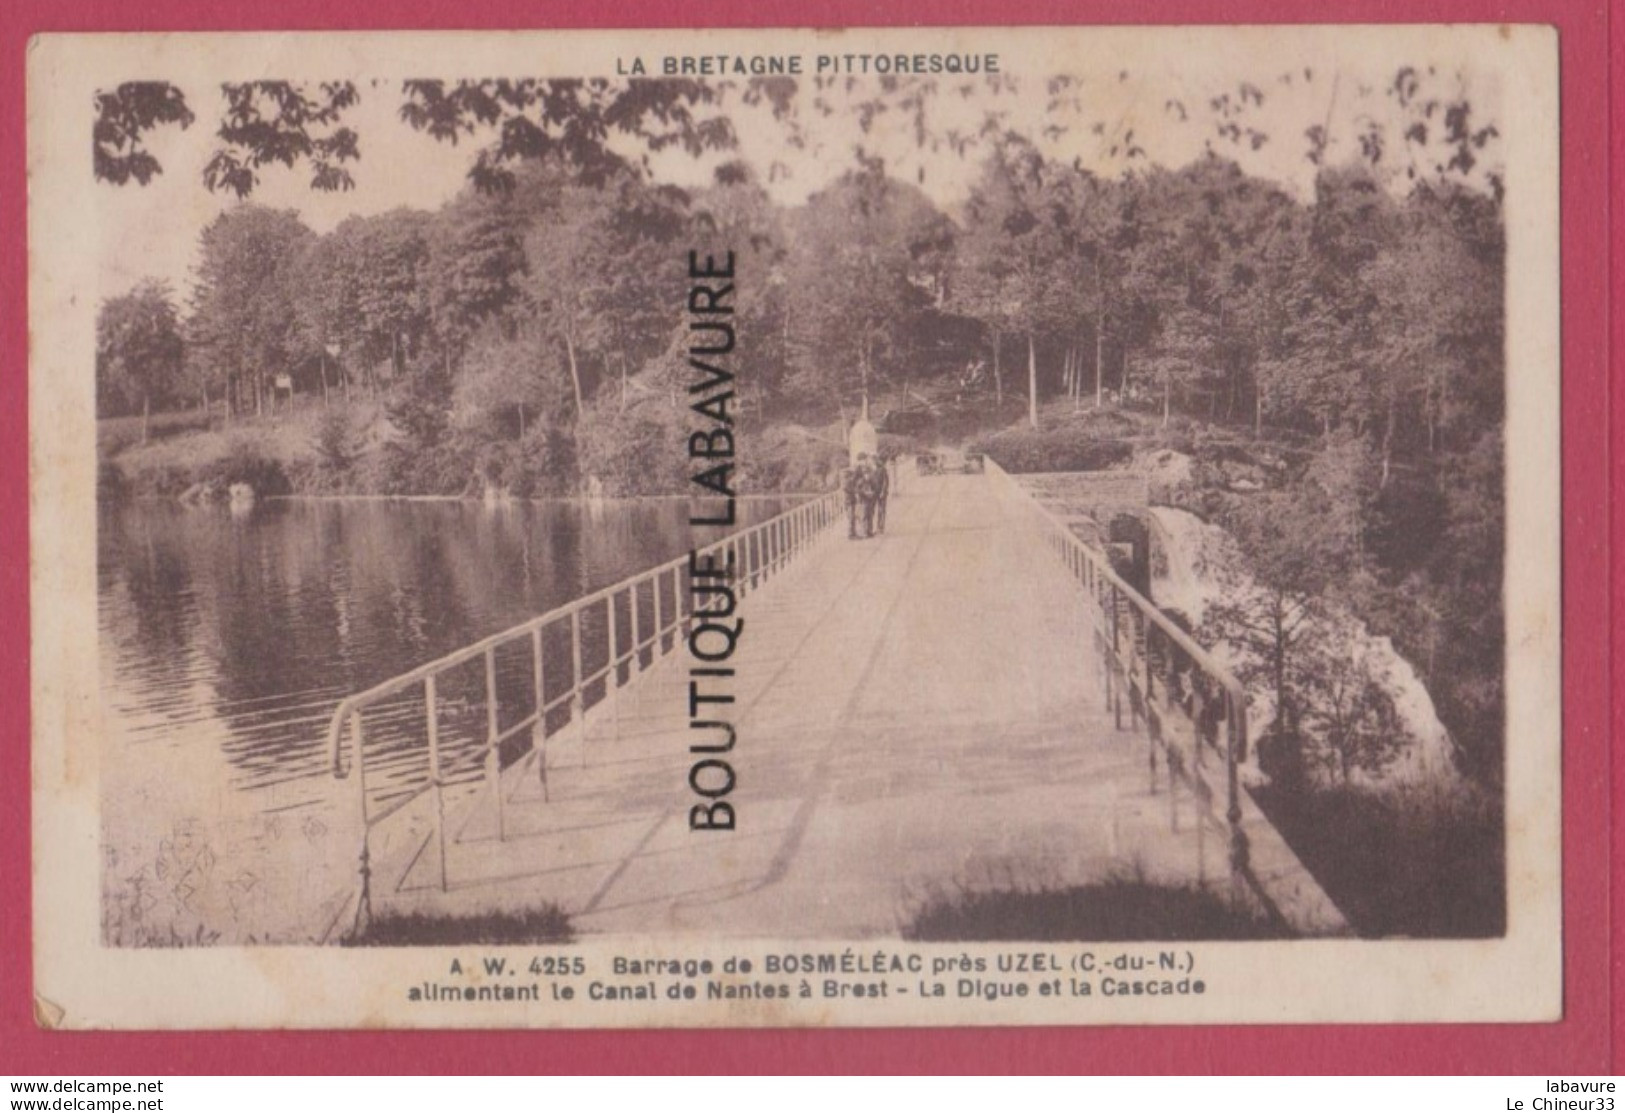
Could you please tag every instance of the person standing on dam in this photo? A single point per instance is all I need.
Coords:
(880, 484)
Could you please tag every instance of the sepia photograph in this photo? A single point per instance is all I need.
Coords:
(769, 528)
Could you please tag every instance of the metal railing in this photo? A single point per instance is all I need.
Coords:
(1194, 710)
(662, 595)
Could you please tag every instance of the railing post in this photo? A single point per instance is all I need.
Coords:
(578, 691)
(1174, 762)
(1203, 809)
(756, 554)
(363, 907)
(1151, 761)
(637, 635)
(1147, 630)
(538, 733)
(660, 623)
(1235, 729)
(1139, 666)
(493, 751)
(431, 706)
(612, 679)
(1117, 659)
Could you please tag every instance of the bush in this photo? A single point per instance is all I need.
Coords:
(638, 449)
(335, 440)
(401, 468)
(246, 461)
(1041, 450)
(540, 463)
(1281, 759)
(786, 458)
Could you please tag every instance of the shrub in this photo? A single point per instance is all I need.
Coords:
(401, 468)
(246, 461)
(790, 458)
(634, 450)
(335, 440)
(540, 463)
(1040, 450)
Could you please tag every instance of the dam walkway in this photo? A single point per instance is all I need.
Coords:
(969, 702)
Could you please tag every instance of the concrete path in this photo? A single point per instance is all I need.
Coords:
(917, 713)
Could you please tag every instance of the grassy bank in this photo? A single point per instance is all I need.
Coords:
(1123, 909)
(353, 449)
(547, 924)
(1411, 864)
(277, 454)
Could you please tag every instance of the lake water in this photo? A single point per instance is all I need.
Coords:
(226, 641)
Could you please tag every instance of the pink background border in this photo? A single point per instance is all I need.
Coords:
(1584, 1042)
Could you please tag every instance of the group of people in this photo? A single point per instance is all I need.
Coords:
(867, 485)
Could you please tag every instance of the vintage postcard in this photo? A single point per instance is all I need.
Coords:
(910, 527)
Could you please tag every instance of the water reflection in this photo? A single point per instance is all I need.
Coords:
(228, 640)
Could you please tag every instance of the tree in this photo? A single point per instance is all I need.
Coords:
(244, 319)
(511, 383)
(362, 290)
(568, 120)
(1347, 472)
(122, 117)
(737, 212)
(1184, 353)
(986, 286)
(865, 262)
(1015, 221)
(628, 448)
(476, 265)
(1204, 242)
(1106, 234)
(1439, 286)
(139, 350)
(1284, 536)
(601, 268)
(572, 120)
(1267, 308)
(1339, 372)
(1469, 574)
(1352, 719)
(287, 123)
